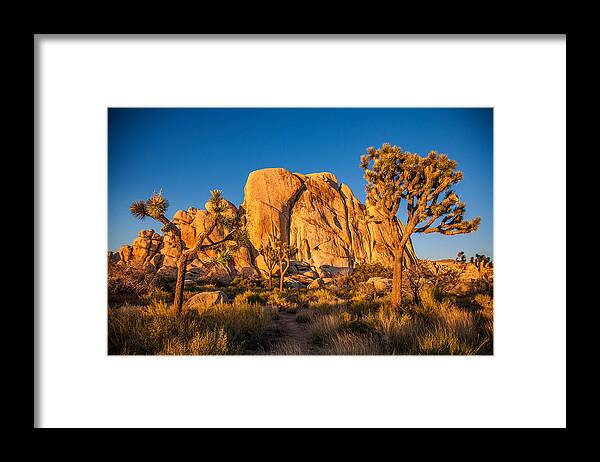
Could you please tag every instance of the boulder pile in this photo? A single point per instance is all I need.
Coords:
(315, 213)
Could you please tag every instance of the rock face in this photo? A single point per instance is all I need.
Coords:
(315, 213)
(319, 216)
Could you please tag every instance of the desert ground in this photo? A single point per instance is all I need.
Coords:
(448, 310)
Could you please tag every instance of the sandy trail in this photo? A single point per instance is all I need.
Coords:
(293, 336)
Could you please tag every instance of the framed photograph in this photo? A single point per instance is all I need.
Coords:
(321, 217)
(281, 262)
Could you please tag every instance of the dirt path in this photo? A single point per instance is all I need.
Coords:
(293, 336)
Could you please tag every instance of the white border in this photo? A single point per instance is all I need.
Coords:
(523, 384)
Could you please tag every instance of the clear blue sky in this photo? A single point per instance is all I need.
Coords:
(187, 152)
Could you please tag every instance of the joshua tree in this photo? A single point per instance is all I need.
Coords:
(269, 253)
(156, 207)
(284, 253)
(392, 175)
(461, 257)
(483, 264)
(221, 259)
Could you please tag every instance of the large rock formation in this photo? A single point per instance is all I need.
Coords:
(321, 217)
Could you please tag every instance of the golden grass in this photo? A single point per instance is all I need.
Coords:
(287, 348)
(438, 325)
(219, 329)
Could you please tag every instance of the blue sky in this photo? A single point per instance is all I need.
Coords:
(188, 152)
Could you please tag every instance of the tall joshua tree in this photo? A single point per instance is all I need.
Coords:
(269, 253)
(393, 175)
(156, 207)
(284, 252)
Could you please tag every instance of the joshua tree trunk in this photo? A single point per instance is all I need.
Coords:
(396, 301)
(181, 270)
(282, 272)
(271, 271)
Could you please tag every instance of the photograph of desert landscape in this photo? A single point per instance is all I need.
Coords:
(296, 231)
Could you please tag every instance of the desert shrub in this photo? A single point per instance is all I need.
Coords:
(484, 301)
(155, 295)
(481, 286)
(322, 296)
(324, 301)
(133, 284)
(363, 292)
(284, 299)
(358, 326)
(431, 296)
(251, 297)
(250, 282)
(193, 287)
(363, 272)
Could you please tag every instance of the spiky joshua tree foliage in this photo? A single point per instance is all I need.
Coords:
(277, 253)
(156, 207)
(423, 183)
(269, 253)
(483, 264)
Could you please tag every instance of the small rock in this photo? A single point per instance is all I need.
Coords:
(293, 284)
(204, 299)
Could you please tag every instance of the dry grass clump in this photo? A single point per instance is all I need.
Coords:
(282, 300)
(218, 329)
(362, 308)
(304, 317)
(209, 343)
(324, 297)
(287, 348)
(324, 328)
(436, 327)
(346, 343)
